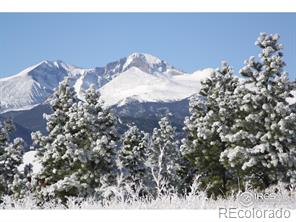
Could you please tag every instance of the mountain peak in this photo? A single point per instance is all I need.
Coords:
(53, 63)
(146, 62)
(145, 56)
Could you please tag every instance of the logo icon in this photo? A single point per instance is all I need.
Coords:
(246, 199)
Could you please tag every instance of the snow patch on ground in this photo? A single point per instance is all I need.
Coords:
(31, 158)
(191, 201)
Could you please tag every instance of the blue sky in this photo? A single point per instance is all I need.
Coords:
(187, 41)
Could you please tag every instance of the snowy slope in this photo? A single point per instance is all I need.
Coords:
(138, 85)
(33, 85)
(139, 76)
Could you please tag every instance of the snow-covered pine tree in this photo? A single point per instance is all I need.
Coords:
(211, 116)
(92, 129)
(78, 155)
(22, 183)
(53, 179)
(261, 149)
(14, 158)
(163, 157)
(10, 158)
(133, 156)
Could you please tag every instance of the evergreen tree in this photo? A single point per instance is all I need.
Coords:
(53, 148)
(261, 142)
(10, 158)
(163, 157)
(78, 155)
(211, 116)
(93, 137)
(133, 156)
(22, 183)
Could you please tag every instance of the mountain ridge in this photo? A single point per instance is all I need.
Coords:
(35, 84)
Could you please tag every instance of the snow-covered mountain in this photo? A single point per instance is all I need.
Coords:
(34, 85)
(134, 84)
(140, 77)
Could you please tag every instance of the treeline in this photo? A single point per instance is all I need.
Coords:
(240, 134)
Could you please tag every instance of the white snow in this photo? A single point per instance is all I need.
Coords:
(292, 100)
(78, 87)
(283, 199)
(141, 86)
(34, 85)
(20, 91)
(150, 59)
(22, 73)
(30, 158)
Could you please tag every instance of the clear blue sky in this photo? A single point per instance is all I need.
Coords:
(187, 41)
